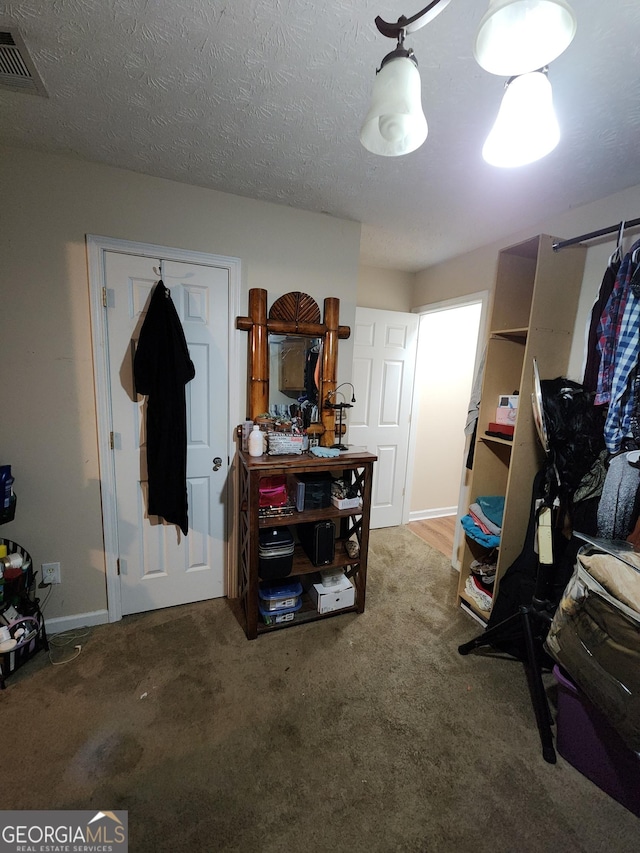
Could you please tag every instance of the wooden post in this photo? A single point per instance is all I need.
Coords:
(329, 368)
(258, 354)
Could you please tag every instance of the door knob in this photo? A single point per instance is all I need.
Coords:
(217, 462)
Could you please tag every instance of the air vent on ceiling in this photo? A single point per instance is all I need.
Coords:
(17, 70)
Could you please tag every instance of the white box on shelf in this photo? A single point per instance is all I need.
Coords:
(346, 503)
(340, 596)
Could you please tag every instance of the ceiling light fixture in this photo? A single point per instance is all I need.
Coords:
(395, 123)
(516, 39)
(518, 36)
(526, 128)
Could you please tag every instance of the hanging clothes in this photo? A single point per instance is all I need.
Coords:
(473, 409)
(162, 369)
(592, 364)
(619, 503)
(609, 327)
(622, 402)
(311, 360)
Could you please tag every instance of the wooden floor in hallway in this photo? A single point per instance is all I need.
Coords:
(437, 532)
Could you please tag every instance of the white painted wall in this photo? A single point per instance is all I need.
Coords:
(46, 372)
(388, 290)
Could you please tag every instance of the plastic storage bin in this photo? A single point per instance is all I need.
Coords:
(275, 617)
(317, 490)
(16, 582)
(278, 597)
(275, 553)
(588, 742)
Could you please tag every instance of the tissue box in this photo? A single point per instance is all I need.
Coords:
(336, 598)
(507, 409)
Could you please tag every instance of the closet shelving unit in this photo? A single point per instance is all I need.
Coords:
(535, 300)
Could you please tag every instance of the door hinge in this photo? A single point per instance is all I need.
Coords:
(104, 297)
(108, 297)
(118, 566)
(111, 441)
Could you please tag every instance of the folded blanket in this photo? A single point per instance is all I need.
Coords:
(493, 507)
(472, 530)
(475, 510)
(479, 522)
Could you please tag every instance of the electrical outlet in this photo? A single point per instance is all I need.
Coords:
(50, 573)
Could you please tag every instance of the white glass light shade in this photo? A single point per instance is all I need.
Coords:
(526, 128)
(395, 123)
(518, 36)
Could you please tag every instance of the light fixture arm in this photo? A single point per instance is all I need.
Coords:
(544, 70)
(329, 405)
(406, 25)
(400, 52)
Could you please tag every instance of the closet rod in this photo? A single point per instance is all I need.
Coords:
(631, 223)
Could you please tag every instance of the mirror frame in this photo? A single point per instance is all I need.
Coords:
(295, 313)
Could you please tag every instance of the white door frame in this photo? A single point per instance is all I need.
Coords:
(96, 247)
(481, 296)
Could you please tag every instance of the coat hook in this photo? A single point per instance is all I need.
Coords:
(157, 271)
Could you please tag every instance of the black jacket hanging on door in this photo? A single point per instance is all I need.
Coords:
(162, 367)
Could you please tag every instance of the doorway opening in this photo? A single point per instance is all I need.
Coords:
(447, 362)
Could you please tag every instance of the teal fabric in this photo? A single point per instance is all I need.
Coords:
(472, 530)
(493, 507)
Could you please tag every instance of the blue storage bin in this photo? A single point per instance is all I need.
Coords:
(278, 597)
(284, 614)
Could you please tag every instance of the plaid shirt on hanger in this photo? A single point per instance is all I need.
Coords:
(610, 327)
(623, 399)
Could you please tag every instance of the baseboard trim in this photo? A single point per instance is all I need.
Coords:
(439, 512)
(58, 624)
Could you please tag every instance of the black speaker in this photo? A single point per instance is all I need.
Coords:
(319, 541)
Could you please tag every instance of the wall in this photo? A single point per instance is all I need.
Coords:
(46, 370)
(475, 270)
(387, 290)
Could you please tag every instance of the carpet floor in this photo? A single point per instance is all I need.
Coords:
(357, 733)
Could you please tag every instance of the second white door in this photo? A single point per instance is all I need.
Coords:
(384, 356)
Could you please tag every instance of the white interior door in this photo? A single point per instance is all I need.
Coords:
(158, 566)
(384, 356)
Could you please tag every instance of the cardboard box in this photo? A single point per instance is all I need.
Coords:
(327, 600)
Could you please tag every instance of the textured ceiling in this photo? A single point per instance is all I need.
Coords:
(264, 98)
